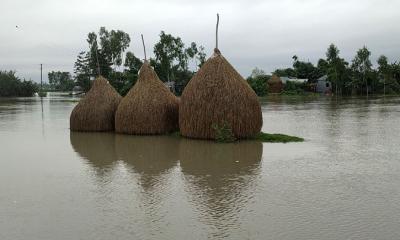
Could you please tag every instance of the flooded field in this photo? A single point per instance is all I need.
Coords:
(343, 182)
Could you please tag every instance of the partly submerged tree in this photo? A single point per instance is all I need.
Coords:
(12, 86)
(61, 81)
(336, 68)
(362, 68)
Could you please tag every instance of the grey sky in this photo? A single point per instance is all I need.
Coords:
(254, 33)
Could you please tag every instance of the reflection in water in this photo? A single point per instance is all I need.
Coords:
(219, 179)
(97, 148)
(151, 160)
(149, 156)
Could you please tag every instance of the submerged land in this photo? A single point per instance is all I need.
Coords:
(113, 186)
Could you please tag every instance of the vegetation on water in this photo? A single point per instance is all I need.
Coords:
(277, 138)
(223, 133)
(226, 137)
(12, 86)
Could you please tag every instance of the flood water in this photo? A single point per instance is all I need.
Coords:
(343, 182)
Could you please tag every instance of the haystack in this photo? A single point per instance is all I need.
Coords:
(217, 95)
(148, 108)
(275, 84)
(96, 111)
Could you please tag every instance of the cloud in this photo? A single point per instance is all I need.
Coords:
(257, 33)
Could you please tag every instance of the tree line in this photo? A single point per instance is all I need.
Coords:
(359, 77)
(12, 86)
(107, 55)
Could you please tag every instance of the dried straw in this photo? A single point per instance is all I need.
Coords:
(275, 84)
(96, 111)
(217, 94)
(148, 108)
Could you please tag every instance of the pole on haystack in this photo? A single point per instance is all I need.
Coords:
(216, 32)
(144, 48)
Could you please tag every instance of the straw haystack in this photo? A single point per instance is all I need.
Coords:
(148, 108)
(218, 95)
(96, 111)
(275, 84)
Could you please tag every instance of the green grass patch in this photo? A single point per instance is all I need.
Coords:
(262, 137)
(277, 138)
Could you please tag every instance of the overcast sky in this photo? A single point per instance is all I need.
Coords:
(264, 34)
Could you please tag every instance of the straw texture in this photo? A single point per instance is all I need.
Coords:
(217, 94)
(148, 108)
(275, 84)
(96, 111)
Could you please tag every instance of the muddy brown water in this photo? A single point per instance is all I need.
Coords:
(342, 183)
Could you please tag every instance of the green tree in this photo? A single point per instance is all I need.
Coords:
(61, 81)
(305, 70)
(170, 56)
(12, 86)
(258, 81)
(286, 72)
(362, 68)
(336, 68)
(82, 71)
(132, 65)
(384, 70)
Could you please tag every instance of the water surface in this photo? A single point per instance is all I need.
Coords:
(342, 183)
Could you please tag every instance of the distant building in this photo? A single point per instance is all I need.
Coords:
(170, 85)
(323, 85)
(296, 80)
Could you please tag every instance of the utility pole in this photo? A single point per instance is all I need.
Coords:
(41, 77)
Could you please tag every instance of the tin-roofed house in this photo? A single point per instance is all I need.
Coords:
(324, 86)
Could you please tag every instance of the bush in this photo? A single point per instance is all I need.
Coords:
(223, 133)
(259, 84)
(294, 88)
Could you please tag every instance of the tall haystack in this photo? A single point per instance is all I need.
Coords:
(215, 96)
(96, 111)
(275, 84)
(148, 108)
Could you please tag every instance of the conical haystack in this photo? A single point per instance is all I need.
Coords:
(148, 108)
(96, 111)
(275, 84)
(216, 96)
